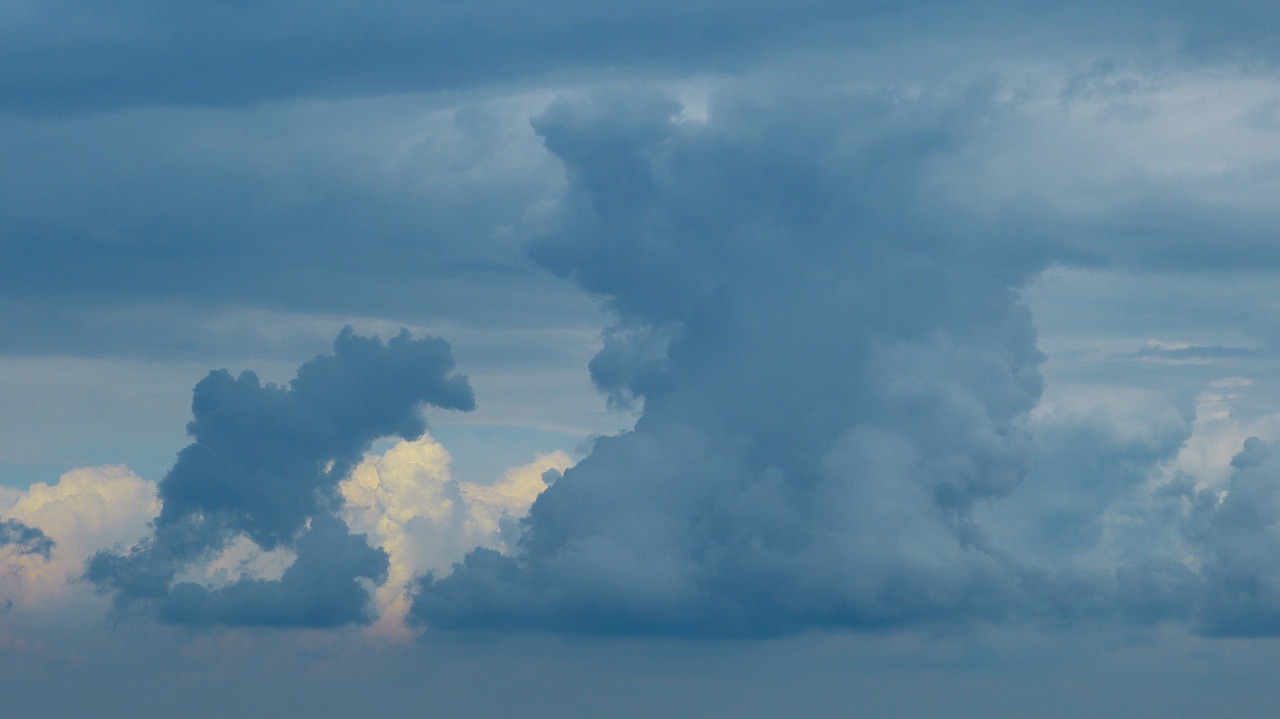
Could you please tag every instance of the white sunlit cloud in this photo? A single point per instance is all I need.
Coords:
(86, 510)
(408, 502)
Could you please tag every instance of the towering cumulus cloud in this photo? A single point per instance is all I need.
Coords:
(266, 465)
(831, 377)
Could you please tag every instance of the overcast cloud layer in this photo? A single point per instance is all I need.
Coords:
(917, 330)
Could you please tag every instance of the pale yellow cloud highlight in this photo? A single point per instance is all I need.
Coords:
(240, 559)
(406, 500)
(409, 503)
(86, 510)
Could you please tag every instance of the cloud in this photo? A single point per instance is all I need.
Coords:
(85, 510)
(409, 503)
(76, 60)
(817, 310)
(399, 46)
(321, 588)
(24, 539)
(1093, 454)
(822, 330)
(265, 465)
(434, 192)
(1194, 353)
(1232, 529)
(816, 301)
(837, 385)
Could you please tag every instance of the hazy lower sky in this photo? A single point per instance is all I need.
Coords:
(673, 359)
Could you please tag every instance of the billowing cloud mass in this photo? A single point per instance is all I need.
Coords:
(409, 503)
(61, 525)
(837, 378)
(266, 465)
(831, 378)
(825, 358)
(842, 416)
(824, 241)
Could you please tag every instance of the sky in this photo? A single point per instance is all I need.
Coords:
(694, 359)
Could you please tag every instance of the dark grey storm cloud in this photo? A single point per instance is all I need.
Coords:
(27, 540)
(265, 464)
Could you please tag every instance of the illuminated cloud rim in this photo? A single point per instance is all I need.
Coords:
(266, 464)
